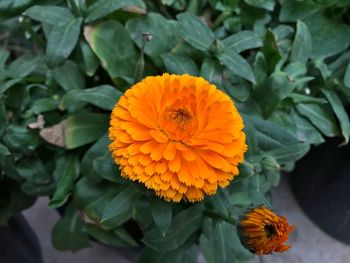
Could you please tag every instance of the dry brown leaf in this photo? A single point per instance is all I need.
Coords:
(55, 134)
(38, 124)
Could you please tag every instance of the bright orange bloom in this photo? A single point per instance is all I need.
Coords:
(178, 135)
(264, 232)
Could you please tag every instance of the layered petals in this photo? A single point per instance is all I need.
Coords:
(178, 135)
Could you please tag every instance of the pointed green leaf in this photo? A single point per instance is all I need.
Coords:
(340, 112)
(183, 226)
(49, 14)
(179, 64)
(69, 76)
(290, 153)
(102, 8)
(236, 64)
(302, 45)
(195, 32)
(121, 204)
(70, 233)
(320, 117)
(242, 41)
(66, 172)
(104, 97)
(162, 214)
(112, 45)
(84, 128)
(62, 40)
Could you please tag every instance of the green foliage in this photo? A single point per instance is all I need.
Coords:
(64, 65)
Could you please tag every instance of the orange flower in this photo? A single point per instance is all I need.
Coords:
(264, 232)
(178, 135)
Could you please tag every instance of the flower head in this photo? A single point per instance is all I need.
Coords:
(178, 135)
(264, 232)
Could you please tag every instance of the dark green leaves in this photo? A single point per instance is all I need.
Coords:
(70, 233)
(121, 204)
(113, 46)
(52, 15)
(347, 76)
(320, 117)
(162, 214)
(69, 76)
(102, 8)
(183, 226)
(84, 128)
(242, 41)
(236, 64)
(328, 37)
(223, 245)
(104, 97)
(164, 33)
(62, 40)
(340, 112)
(302, 45)
(66, 172)
(290, 153)
(195, 32)
(178, 64)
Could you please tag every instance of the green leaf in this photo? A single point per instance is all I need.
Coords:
(121, 204)
(107, 169)
(223, 247)
(23, 66)
(104, 97)
(95, 151)
(164, 33)
(300, 98)
(207, 248)
(265, 4)
(302, 45)
(44, 105)
(242, 41)
(62, 40)
(49, 14)
(90, 60)
(212, 72)
(8, 84)
(292, 10)
(347, 76)
(272, 91)
(124, 235)
(4, 151)
(162, 214)
(70, 233)
(306, 132)
(328, 37)
(179, 64)
(195, 32)
(236, 64)
(340, 112)
(84, 128)
(271, 52)
(112, 45)
(183, 226)
(108, 237)
(3, 117)
(270, 135)
(102, 8)
(320, 117)
(69, 76)
(290, 153)
(33, 170)
(65, 173)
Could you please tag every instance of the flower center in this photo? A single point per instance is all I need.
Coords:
(180, 115)
(270, 231)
